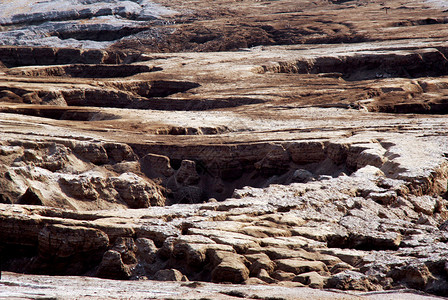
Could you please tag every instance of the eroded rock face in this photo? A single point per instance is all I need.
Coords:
(64, 241)
(76, 175)
(268, 166)
(326, 237)
(84, 24)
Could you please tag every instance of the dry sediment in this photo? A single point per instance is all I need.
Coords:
(275, 165)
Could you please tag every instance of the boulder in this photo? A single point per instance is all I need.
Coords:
(112, 266)
(119, 152)
(187, 174)
(350, 280)
(137, 192)
(229, 267)
(415, 275)
(264, 275)
(127, 249)
(301, 175)
(146, 250)
(254, 281)
(260, 262)
(312, 279)
(384, 198)
(91, 152)
(154, 166)
(169, 275)
(83, 186)
(424, 204)
(283, 276)
(230, 270)
(340, 267)
(195, 254)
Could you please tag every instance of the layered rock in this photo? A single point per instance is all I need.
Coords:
(76, 175)
(89, 24)
(266, 166)
(252, 237)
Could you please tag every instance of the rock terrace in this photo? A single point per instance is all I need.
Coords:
(73, 23)
(313, 156)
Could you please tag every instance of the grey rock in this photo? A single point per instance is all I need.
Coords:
(424, 204)
(61, 23)
(146, 250)
(350, 280)
(301, 175)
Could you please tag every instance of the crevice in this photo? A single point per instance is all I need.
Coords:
(85, 71)
(413, 108)
(198, 173)
(418, 22)
(93, 33)
(365, 66)
(18, 56)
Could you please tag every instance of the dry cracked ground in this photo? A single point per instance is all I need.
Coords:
(238, 149)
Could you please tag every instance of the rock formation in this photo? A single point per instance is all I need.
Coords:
(65, 23)
(315, 155)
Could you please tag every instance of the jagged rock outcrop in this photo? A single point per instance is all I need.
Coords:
(326, 237)
(76, 175)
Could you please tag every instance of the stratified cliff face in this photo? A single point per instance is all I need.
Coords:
(74, 23)
(317, 158)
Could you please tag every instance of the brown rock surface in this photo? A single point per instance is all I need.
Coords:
(313, 154)
(71, 287)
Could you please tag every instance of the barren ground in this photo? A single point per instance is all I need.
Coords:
(285, 145)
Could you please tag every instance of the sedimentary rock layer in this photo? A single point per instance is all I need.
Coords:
(299, 162)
